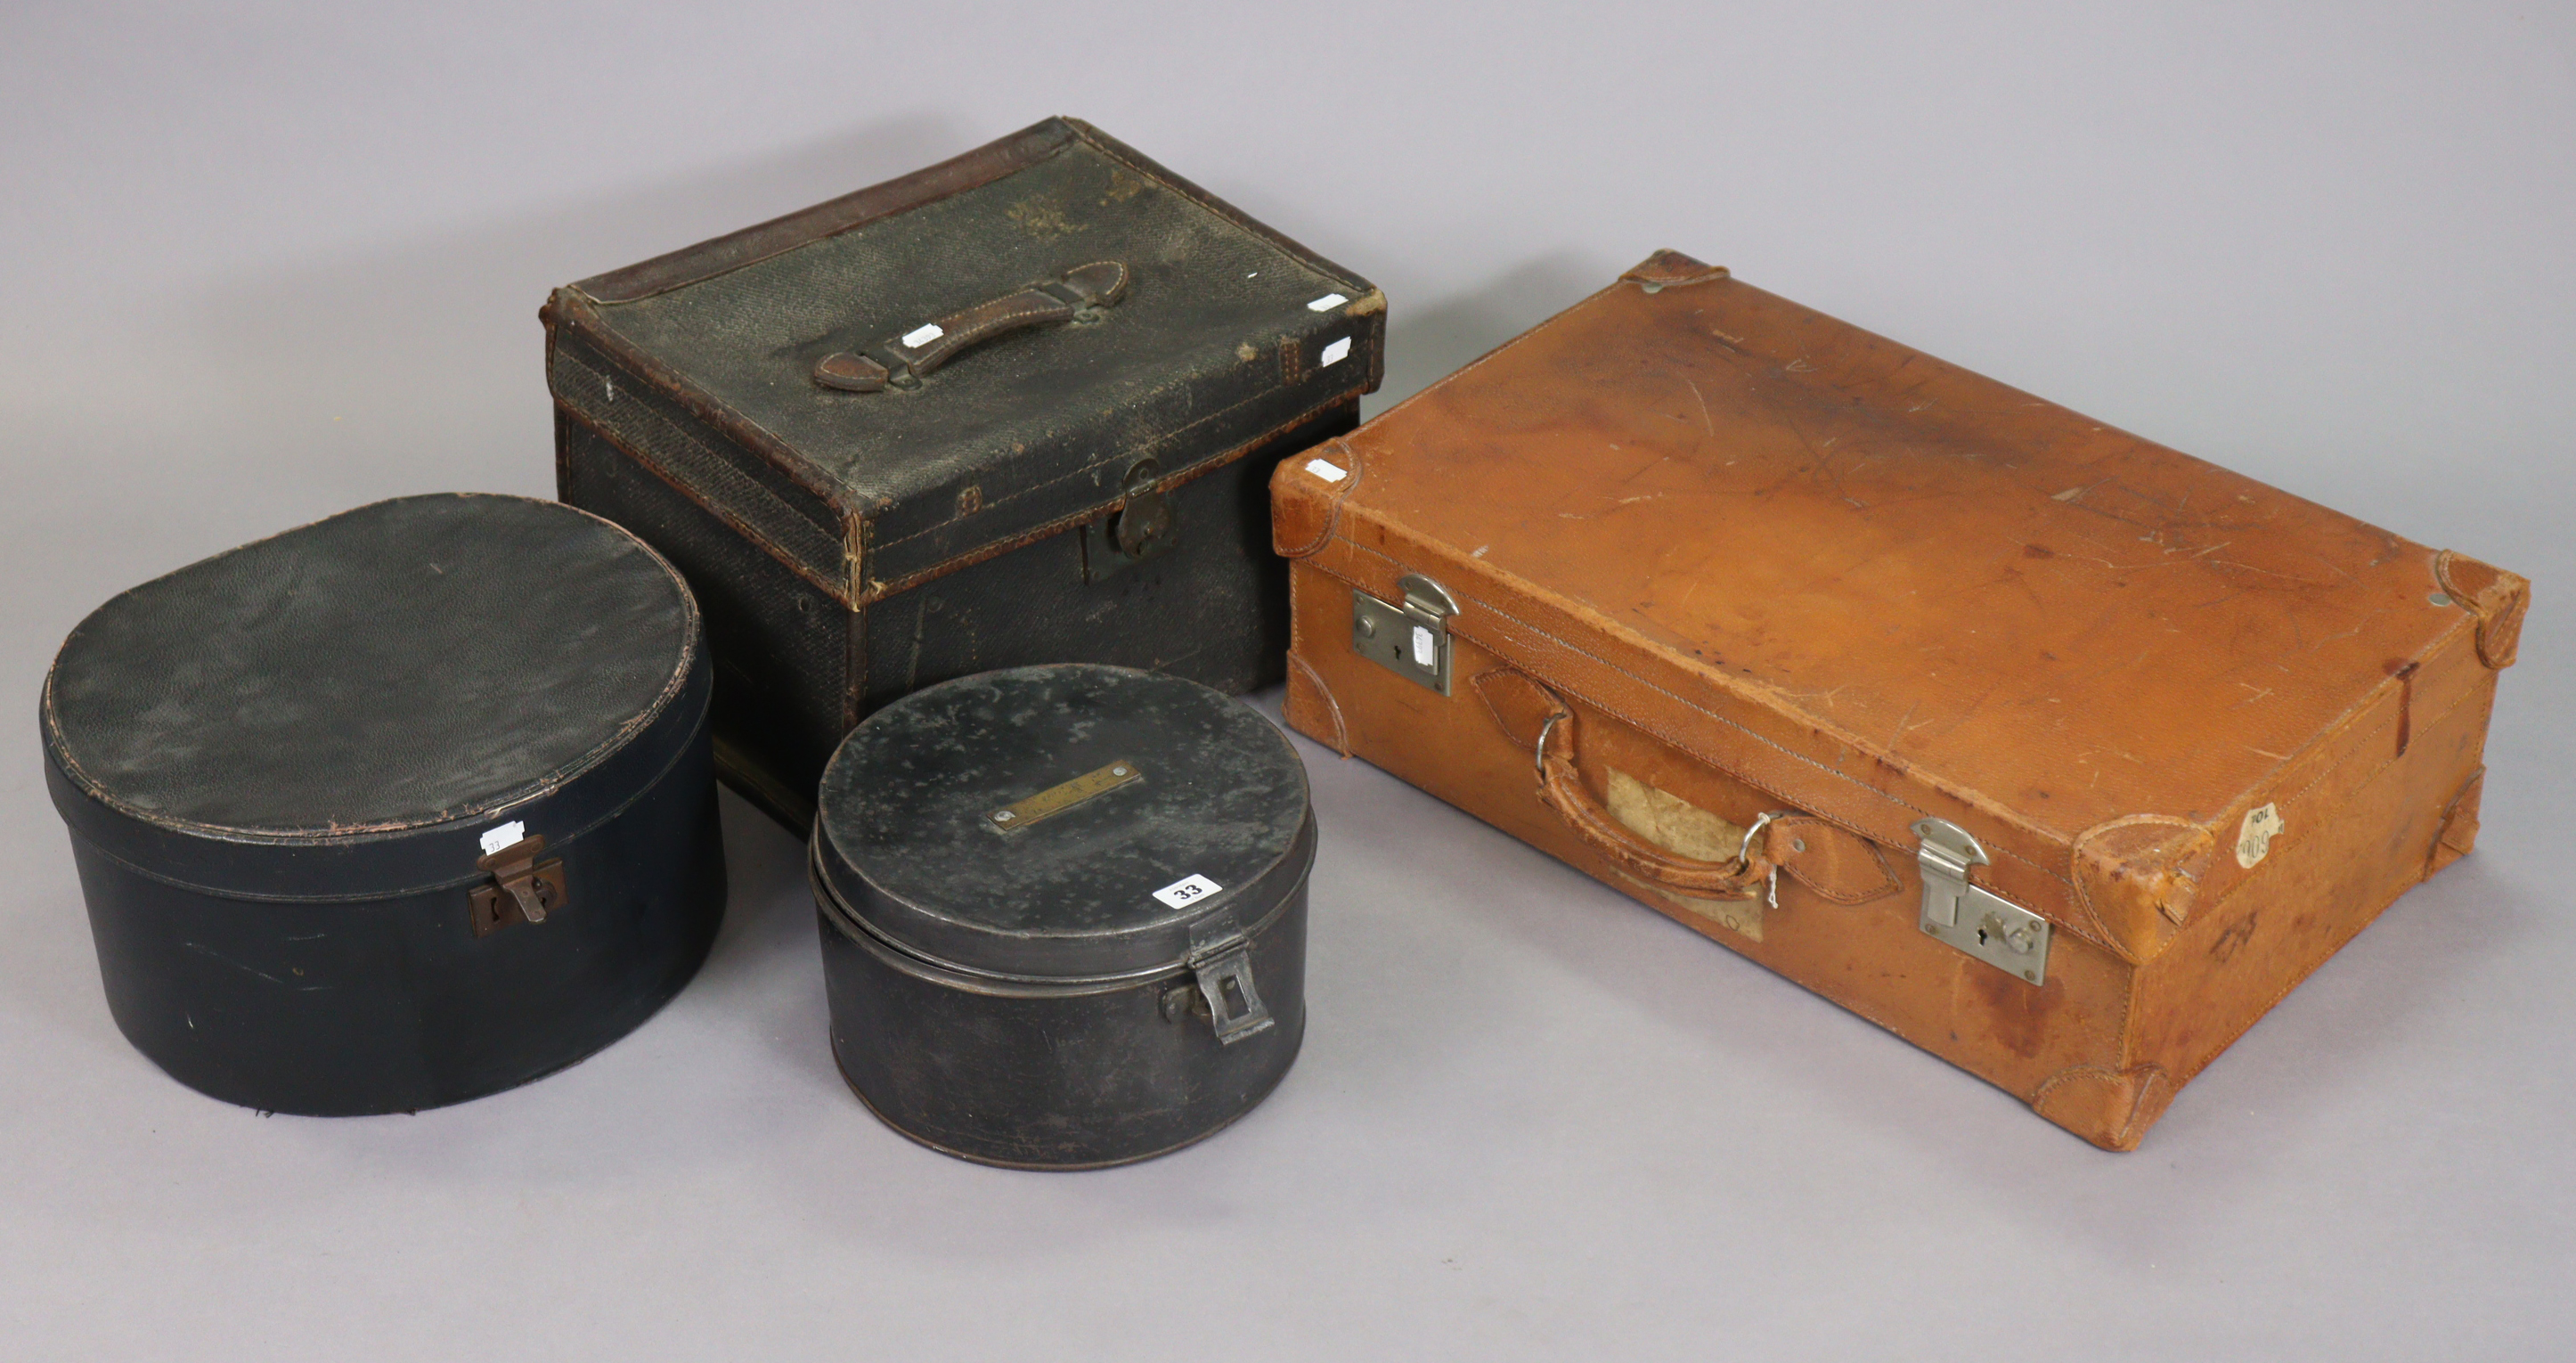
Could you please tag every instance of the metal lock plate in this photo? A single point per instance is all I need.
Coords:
(1411, 640)
(1144, 526)
(1977, 921)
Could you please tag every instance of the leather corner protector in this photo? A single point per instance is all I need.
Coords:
(2110, 1108)
(1669, 269)
(2458, 834)
(1306, 501)
(1304, 699)
(2497, 598)
(2138, 878)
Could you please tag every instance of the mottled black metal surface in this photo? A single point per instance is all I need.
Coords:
(908, 837)
(279, 767)
(1026, 997)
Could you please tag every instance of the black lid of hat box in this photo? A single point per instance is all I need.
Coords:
(300, 777)
(1063, 912)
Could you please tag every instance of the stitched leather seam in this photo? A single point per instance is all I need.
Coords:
(1333, 515)
(1333, 707)
(1039, 305)
(1702, 710)
(2153, 1072)
(786, 558)
(1130, 455)
(1645, 727)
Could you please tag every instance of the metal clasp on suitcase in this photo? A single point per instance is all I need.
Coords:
(1220, 964)
(522, 889)
(1411, 640)
(1977, 921)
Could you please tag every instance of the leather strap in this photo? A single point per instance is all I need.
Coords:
(926, 347)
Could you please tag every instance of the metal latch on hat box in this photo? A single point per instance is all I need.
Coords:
(1220, 984)
(1411, 640)
(523, 889)
(1977, 921)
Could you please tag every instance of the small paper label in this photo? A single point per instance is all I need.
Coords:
(2254, 836)
(1327, 470)
(1337, 352)
(1326, 303)
(922, 335)
(1183, 893)
(502, 835)
(1426, 650)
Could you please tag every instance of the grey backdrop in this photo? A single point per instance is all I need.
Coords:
(262, 265)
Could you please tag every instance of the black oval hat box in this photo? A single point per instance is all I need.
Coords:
(1063, 913)
(396, 809)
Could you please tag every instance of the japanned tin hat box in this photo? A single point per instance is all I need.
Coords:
(1063, 913)
(1020, 407)
(397, 809)
(2059, 753)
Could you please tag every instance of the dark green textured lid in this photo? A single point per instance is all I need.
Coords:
(1222, 332)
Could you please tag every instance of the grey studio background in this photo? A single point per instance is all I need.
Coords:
(264, 262)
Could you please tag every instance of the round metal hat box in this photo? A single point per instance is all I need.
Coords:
(393, 810)
(1063, 913)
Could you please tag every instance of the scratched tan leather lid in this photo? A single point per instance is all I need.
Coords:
(1955, 582)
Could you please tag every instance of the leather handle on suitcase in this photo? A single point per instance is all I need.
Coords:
(1521, 705)
(901, 362)
(1835, 863)
(1561, 788)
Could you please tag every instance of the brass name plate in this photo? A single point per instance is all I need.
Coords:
(1057, 799)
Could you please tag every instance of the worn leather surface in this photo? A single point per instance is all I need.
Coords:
(1215, 339)
(1770, 561)
(405, 663)
(850, 546)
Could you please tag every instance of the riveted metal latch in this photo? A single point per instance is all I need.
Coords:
(1411, 640)
(1221, 966)
(1977, 921)
(1143, 527)
(523, 890)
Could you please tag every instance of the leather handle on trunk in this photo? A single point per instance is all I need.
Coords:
(901, 362)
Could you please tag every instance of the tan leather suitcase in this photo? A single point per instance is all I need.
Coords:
(2064, 755)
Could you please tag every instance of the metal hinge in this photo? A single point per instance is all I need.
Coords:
(1221, 967)
(523, 890)
(1977, 921)
(1411, 640)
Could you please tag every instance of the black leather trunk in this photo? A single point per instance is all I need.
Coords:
(1081, 478)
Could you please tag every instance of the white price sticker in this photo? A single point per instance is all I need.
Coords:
(496, 838)
(1326, 303)
(1426, 650)
(1337, 352)
(1327, 470)
(1183, 893)
(923, 335)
